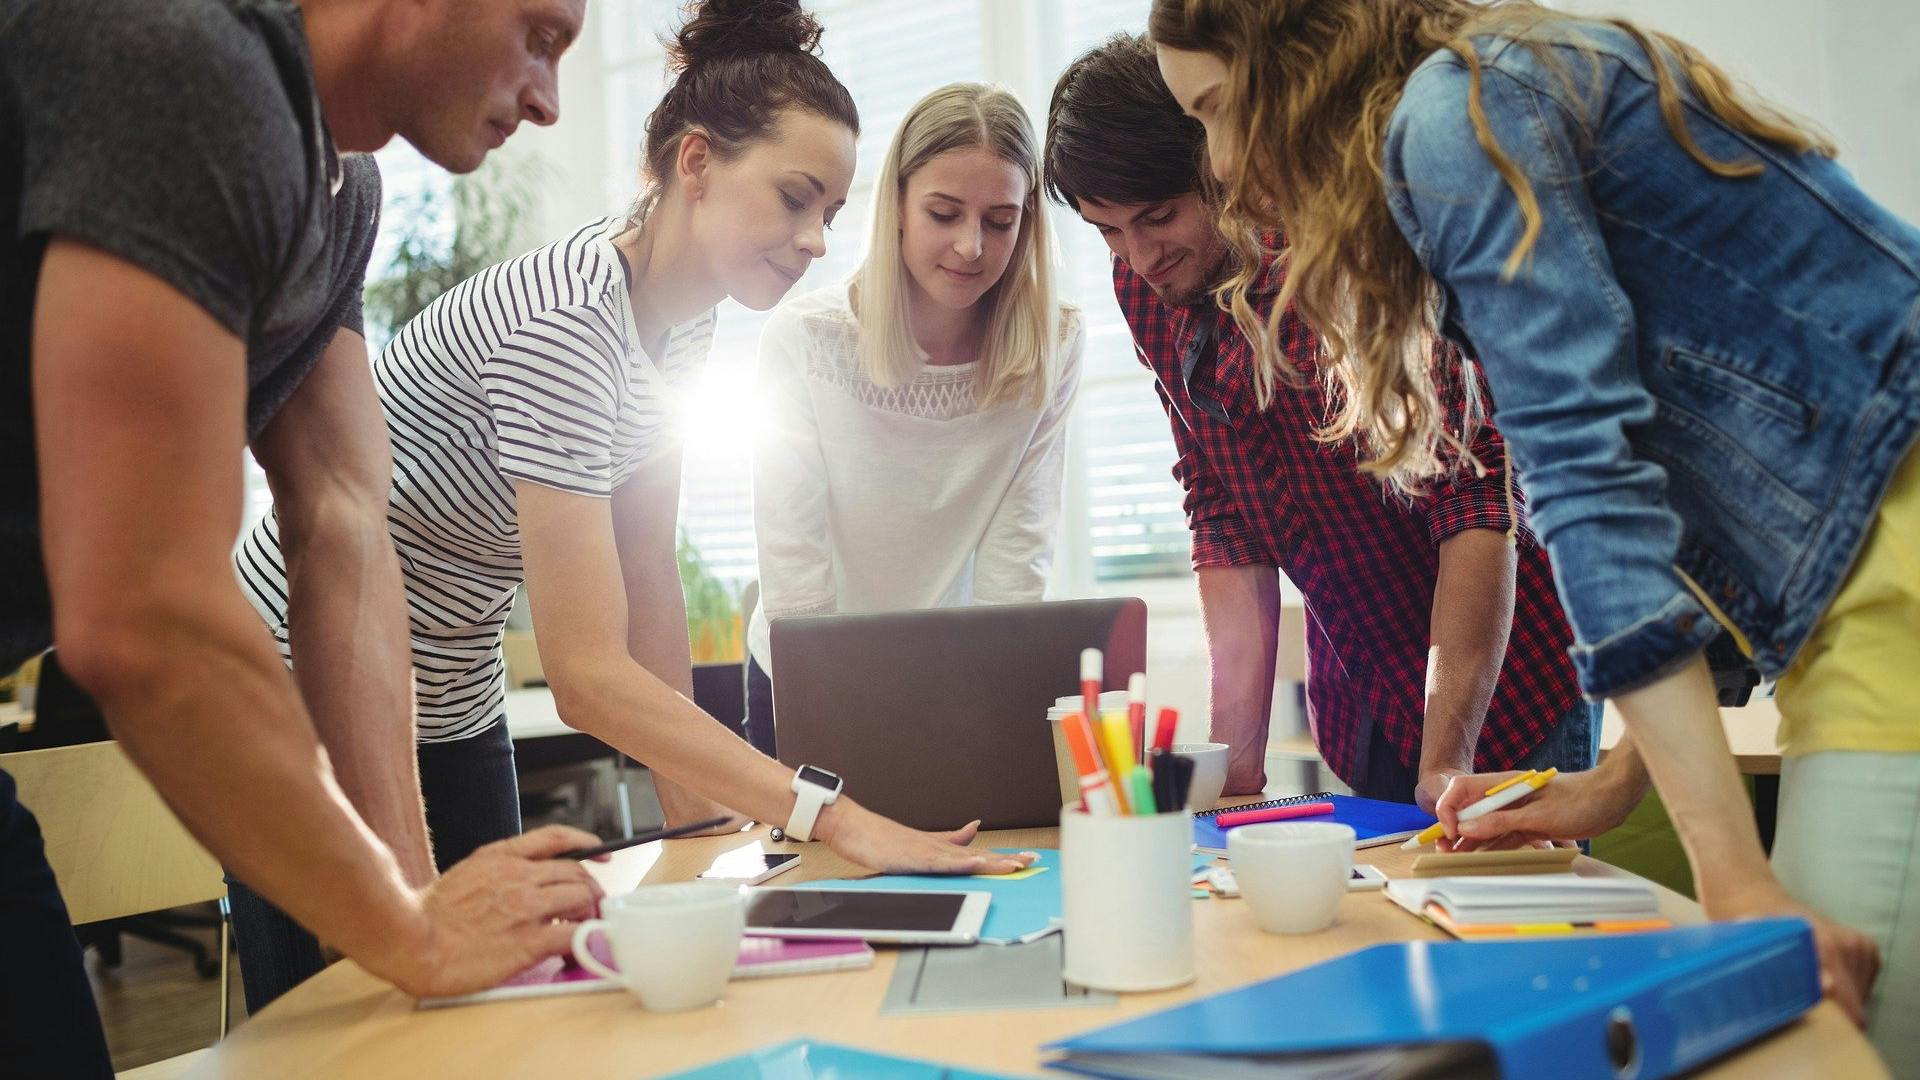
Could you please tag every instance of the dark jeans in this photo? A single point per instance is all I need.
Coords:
(472, 798)
(757, 728)
(49, 1025)
(1573, 745)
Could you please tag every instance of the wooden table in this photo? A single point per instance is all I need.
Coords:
(345, 1023)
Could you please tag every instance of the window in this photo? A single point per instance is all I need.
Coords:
(1122, 518)
(1124, 510)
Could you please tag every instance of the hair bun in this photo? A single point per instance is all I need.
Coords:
(722, 28)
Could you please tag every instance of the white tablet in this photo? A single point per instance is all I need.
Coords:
(898, 918)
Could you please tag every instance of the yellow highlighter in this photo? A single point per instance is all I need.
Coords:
(1116, 745)
(1436, 830)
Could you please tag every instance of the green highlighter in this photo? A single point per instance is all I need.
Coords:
(1140, 792)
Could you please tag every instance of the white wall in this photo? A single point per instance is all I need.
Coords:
(1852, 66)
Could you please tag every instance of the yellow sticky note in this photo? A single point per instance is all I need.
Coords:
(1017, 875)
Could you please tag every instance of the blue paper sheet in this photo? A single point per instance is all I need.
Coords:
(1020, 909)
(805, 1059)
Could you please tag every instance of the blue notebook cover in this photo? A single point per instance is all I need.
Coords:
(1022, 907)
(1374, 821)
(1547, 1007)
(805, 1059)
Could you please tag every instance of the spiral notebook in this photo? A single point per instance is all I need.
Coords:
(1374, 821)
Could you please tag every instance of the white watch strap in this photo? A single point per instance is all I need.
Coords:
(807, 802)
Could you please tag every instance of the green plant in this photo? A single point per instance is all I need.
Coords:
(446, 233)
(713, 610)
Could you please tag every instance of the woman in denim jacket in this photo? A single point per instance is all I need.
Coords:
(1704, 343)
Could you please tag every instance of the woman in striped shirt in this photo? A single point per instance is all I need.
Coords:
(530, 418)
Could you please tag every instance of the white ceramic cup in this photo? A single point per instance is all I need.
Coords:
(1293, 874)
(1127, 894)
(675, 944)
(1209, 772)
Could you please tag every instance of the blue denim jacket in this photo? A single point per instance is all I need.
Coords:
(1694, 374)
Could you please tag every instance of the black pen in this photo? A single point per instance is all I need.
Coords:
(643, 838)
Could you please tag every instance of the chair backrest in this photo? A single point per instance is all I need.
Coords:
(114, 846)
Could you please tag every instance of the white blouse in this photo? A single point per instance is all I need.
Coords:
(874, 499)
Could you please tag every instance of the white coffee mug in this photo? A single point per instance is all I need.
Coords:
(675, 944)
(1209, 773)
(1293, 874)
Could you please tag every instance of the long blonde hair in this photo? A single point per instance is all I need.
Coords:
(1017, 352)
(1311, 86)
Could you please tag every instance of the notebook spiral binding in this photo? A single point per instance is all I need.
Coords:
(1291, 800)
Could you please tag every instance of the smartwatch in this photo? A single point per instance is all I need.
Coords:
(813, 789)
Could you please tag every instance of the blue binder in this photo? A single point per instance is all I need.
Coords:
(1374, 821)
(1567, 1007)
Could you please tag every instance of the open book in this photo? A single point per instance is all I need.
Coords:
(1535, 904)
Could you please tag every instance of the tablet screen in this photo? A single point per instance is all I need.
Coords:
(852, 910)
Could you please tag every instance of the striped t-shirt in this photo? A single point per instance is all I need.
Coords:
(529, 370)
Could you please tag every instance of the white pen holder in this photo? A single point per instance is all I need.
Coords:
(1126, 883)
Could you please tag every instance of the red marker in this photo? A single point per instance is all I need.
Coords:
(1276, 813)
(1163, 730)
(1091, 665)
(1137, 715)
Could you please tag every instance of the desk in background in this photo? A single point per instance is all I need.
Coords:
(346, 1023)
(1751, 732)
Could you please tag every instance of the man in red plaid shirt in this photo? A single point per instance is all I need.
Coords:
(1435, 642)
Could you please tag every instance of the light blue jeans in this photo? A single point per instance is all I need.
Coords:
(1848, 846)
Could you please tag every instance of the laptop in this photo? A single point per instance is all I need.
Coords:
(937, 717)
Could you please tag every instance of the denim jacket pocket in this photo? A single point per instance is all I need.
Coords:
(1711, 373)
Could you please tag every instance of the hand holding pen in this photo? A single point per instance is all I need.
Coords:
(1572, 807)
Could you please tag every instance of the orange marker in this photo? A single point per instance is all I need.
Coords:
(1096, 796)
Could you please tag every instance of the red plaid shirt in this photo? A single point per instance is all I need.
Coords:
(1262, 491)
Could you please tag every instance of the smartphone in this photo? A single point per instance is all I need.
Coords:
(1366, 877)
(749, 865)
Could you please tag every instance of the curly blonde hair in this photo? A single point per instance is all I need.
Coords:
(1311, 86)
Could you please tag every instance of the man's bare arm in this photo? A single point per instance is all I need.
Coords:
(140, 403)
(326, 458)
(1240, 606)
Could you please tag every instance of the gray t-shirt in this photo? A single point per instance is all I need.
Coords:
(183, 136)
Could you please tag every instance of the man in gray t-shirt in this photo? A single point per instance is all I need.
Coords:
(181, 266)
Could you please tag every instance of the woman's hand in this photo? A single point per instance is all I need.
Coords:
(865, 837)
(1576, 806)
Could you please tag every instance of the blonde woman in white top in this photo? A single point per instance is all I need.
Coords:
(912, 457)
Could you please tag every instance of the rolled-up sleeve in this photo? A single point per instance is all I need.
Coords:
(1221, 535)
(1469, 498)
(1557, 343)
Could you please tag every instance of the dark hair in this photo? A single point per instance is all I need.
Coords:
(1116, 135)
(736, 65)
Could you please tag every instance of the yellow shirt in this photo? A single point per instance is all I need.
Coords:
(1856, 683)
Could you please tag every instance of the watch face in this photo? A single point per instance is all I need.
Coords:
(819, 777)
